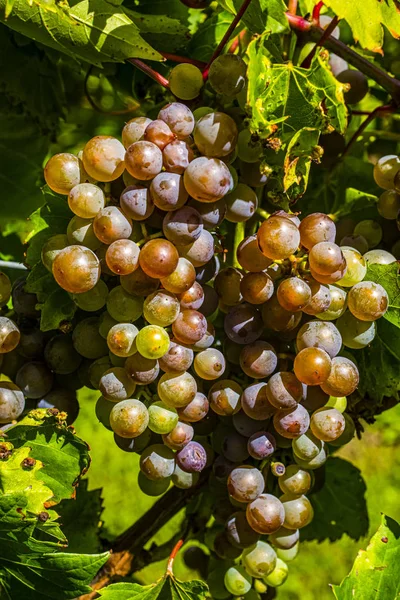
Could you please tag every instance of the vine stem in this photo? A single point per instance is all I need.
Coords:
(327, 32)
(292, 6)
(183, 59)
(317, 11)
(153, 236)
(172, 556)
(11, 264)
(313, 32)
(226, 37)
(149, 71)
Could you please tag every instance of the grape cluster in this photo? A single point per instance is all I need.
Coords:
(234, 374)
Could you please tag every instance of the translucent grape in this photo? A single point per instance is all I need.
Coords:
(319, 334)
(256, 288)
(129, 418)
(143, 160)
(313, 463)
(386, 170)
(207, 179)
(370, 230)
(258, 360)
(337, 306)
(152, 341)
(348, 433)
(326, 257)
(241, 204)
(237, 581)
(159, 133)
(215, 134)
(87, 339)
(34, 379)
(295, 481)
(122, 306)
(298, 511)
(284, 390)
(121, 339)
(62, 172)
(265, 514)
(177, 389)
(103, 158)
(81, 232)
(343, 379)
(85, 200)
(261, 445)
(181, 279)
(327, 424)
(179, 118)
(122, 257)
(192, 458)
(320, 298)
(356, 334)
(278, 575)
(185, 81)
(116, 385)
(189, 327)
(183, 226)
(278, 238)
(168, 192)
(136, 202)
(239, 532)
(275, 317)
(292, 423)
(9, 335)
(288, 555)
(259, 560)
(12, 402)
(153, 488)
(139, 283)
(61, 356)
(93, 299)
(307, 446)
(243, 324)
(157, 462)
(161, 308)
(224, 397)
(250, 256)
(179, 436)
(316, 228)
(133, 130)
(285, 538)
(379, 257)
(76, 269)
(312, 366)
(183, 480)
(158, 258)
(356, 267)
(192, 298)
(227, 74)
(209, 364)
(293, 294)
(196, 410)
(368, 301)
(255, 403)
(162, 418)
(245, 483)
(389, 204)
(111, 224)
(177, 358)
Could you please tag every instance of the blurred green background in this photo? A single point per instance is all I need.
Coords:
(316, 566)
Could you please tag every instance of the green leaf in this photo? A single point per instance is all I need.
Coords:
(40, 282)
(209, 34)
(80, 519)
(340, 506)
(375, 573)
(301, 150)
(262, 15)
(388, 277)
(167, 588)
(354, 201)
(57, 310)
(95, 32)
(161, 31)
(366, 19)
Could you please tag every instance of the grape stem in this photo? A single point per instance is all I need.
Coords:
(153, 236)
(292, 6)
(149, 71)
(316, 12)
(226, 37)
(183, 59)
(115, 113)
(327, 33)
(172, 556)
(11, 264)
(263, 213)
(239, 237)
(312, 32)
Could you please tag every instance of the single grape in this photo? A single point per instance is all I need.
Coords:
(312, 366)
(153, 488)
(358, 242)
(183, 226)
(207, 179)
(298, 511)
(179, 118)
(152, 341)
(284, 391)
(313, 463)
(189, 327)
(249, 147)
(31, 344)
(121, 339)
(158, 258)
(61, 356)
(196, 410)
(370, 230)
(179, 436)
(116, 385)
(223, 548)
(168, 192)
(209, 364)
(177, 358)
(247, 426)
(386, 170)
(177, 389)
(368, 301)
(256, 288)
(162, 418)
(62, 172)
(254, 174)
(343, 379)
(96, 370)
(142, 371)
(192, 458)
(326, 257)
(176, 156)
(12, 402)
(337, 306)
(288, 555)
(161, 308)
(278, 238)
(123, 307)
(143, 160)
(192, 298)
(239, 532)
(389, 205)
(293, 294)
(134, 129)
(265, 514)
(327, 424)
(285, 538)
(50, 250)
(379, 257)
(258, 360)
(259, 560)
(212, 213)
(316, 228)
(215, 134)
(237, 581)
(275, 317)
(357, 83)
(261, 445)
(139, 283)
(348, 433)
(64, 400)
(307, 446)
(245, 483)
(76, 269)
(241, 204)
(181, 279)
(319, 334)
(356, 267)
(227, 74)
(183, 480)
(9, 335)
(278, 575)
(157, 462)
(81, 232)
(159, 133)
(185, 81)
(129, 418)
(94, 299)
(255, 403)
(243, 324)
(136, 202)
(356, 334)
(292, 423)
(250, 256)
(85, 200)
(295, 481)
(122, 257)
(224, 397)
(103, 158)
(111, 224)
(34, 379)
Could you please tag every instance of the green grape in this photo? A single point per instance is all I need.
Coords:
(389, 205)
(356, 334)
(85, 200)
(161, 308)
(259, 560)
(215, 581)
(87, 340)
(12, 402)
(153, 488)
(185, 81)
(312, 463)
(105, 323)
(51, 248)
(248, 150)
(5, 289)
(93, 299)
(76, 269)
(162, 418)
(368, 301)
(116, 385)
(379, 257)
(215, 135)
(348, 433)
(295, 480)
(298, 511)
(34, 379)
(241, 204)
(152, 341)
(103, 158)
(245, 483)
(237, 581)
(337, 402)
(123, 307)
(116, 361)
(278, 575)
(80, 231)
(103, 410)
(183, 480)
(307, 446)
(61, 356)
(177, 389)
(370, 230)
(288, 555)
(121, 339)
(9, 335)
(157, 462)
(285, 538)
(209, 364)
(227, 74)
(142, 370)
(62, 172)
(201, 112)
(129, 418)
(134, 129)
(97, 370)
(337, 306)
(386, 170)
(356, 267)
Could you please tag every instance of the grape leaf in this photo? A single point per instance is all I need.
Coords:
(366, 19)
(388, 277)
(340, 506)
(261, 15)
(209, 34)
(161, 31)
(57, 310)
(375, 573)
(354, 201)
(168, 588)
(301, 150)
(95, 32)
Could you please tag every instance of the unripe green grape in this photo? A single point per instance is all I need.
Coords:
(337, 402)
(278, 575)
(61, 356)
(227, 74)
(97, 369)
(129, 418)
(389, 205)
(259, 560)
(161, 308)
(215, 134)
(153, 488)
(121, 339)
(85, 200)
(123, 307)
(356, 334)
(12, 402)
(103, 410)
(162, 418)
(116, 385)
(9, 335)
(307, 446)
(62, 172)
(93, 299)
(152, 341)
(105, 323)
(157, 462)
(201, 112)
(76, 269)
(313, 463)
(237, 581)
(80, 231)
(248, 151)
(379, 257)
(51, 248)
(386, 170)
(87, 340)
(134, 129)
(103, 158)
(215, 582)
(356, 267)
(241, 204)
(368, 301)
(298, 511)
(284, 538)
(295, 480)
(288, 555)
(209, 364)
(370, 230)
(185, 81)
(337, 306)
(177, 389)
(34, 379)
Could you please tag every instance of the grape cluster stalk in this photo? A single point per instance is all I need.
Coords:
(241, 371)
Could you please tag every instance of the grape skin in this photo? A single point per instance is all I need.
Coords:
(9, 335)
(200, 252)
(209, 364)
(185, 81)
(76, 269)
(134, 129)
(368, 301)
(62, 173)
(12, 402)
(343, 379)
(136, 202)
(284, 390)
(207, 179)
(258, 360)
(162, 418)
(177, 359)
(116, 385)
(278, 238)
(224, 397)
(168, 192)
(177, 389)
(241, 204)
(255, 403)
(161, 308)
(250, 256)
(356, 334)
(192, 458)
(143, 160)
(265, 514)
(157, 462)
(312, 366)
(293, 294)
(298, 511)
(327, 424)
(129, 418)
(103, 158)
(227, 74)
(316, 228)
(237, 581)
(239, 531)
(152, 341)
(256, 288)
(356, 267)
(292, 423)
(319, 334)
(158, 258)
(245, 483)
(259, 560)
(183, 226)
(179, 118)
